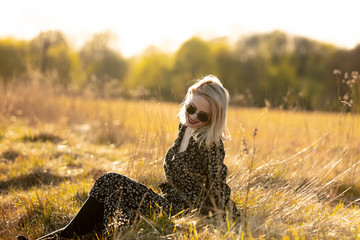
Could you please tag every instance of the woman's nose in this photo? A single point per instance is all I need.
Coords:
(194, 114)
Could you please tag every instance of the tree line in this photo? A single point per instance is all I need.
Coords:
(268, 69)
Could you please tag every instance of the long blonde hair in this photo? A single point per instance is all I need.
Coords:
(218, 97)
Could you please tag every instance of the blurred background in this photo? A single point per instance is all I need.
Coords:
(281, 54)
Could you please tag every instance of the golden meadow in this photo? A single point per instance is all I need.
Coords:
(293, 174)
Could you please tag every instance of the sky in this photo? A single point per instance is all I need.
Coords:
(139, 24)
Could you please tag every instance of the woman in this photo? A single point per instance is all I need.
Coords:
(194, 169)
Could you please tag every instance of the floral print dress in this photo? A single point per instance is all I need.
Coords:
(195, 178)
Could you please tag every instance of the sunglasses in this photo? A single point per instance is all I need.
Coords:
(191, 109)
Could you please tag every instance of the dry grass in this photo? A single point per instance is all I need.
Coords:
(294, 175)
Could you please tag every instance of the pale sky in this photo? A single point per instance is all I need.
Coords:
(168, 23)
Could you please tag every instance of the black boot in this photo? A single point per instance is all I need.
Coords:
(89, 217)
(21, 238)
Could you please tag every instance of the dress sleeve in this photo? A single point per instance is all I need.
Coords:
(218, 192)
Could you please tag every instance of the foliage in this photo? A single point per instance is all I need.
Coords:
(269, 69)
(101, 63)
(50, 54)
(152, 72)
(12, 59)
(192, 60)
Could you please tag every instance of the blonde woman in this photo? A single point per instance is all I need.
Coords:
(194, 169)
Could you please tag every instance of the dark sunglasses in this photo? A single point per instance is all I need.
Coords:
(191, 109)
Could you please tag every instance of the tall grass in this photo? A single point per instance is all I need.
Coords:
(294, 175)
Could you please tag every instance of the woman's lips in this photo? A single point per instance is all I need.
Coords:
(191, 121)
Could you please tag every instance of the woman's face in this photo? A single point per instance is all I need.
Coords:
(201, 105)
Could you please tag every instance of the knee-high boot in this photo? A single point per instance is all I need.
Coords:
(87, 219)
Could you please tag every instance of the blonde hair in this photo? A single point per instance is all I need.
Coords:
(218, 97)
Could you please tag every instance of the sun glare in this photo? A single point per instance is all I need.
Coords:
(139, 24)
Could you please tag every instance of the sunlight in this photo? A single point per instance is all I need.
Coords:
(139, 24)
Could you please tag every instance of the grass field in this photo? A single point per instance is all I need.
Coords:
(294, 175)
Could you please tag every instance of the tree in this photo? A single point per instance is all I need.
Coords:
(152, 72)
(266, 68)
(13, 56)
(312, 61)
(66, 64)
(226, 66)
(102, 64)
(52, 56)
(192, 60)
(40, 46)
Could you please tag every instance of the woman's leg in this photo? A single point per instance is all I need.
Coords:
(86, 220)
(113, 200)
(124, 197)
(89, 217)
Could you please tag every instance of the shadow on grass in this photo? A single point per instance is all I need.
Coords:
(9, 155)
(42, 137)
(347, 193)
(25, 182)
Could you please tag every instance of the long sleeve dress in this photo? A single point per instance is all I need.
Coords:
(195, 179)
